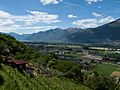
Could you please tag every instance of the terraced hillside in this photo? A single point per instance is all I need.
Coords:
(13, 80)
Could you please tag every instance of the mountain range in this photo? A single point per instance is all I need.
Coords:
(105, 33)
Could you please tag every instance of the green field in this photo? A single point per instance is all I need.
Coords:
(13, 80)
(106, 69)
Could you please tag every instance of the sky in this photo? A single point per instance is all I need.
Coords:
(32, 16)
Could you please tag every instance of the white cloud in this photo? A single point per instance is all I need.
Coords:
(45, 2)
(86, 23)
(91, 23)
(96, 14)
(93, 1)
(25, 29)
(4, 14)
(106, 20)
(4, 21)
(32, 17)
(72, 16)
(4, 18)
(43, 17)
(26, 23)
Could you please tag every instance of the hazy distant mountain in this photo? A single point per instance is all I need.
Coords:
(53, 35)
(18, 36)
(107, 32)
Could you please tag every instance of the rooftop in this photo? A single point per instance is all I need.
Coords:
(18, 61)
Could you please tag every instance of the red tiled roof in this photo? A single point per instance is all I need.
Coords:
(19, 62)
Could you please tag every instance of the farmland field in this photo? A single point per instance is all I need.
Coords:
(106, 69)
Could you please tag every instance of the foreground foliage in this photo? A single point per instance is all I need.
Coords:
(13, 80)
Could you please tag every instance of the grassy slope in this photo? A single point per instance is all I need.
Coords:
(13, 80)
(105, 68)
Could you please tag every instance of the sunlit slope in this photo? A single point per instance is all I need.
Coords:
(13, 80)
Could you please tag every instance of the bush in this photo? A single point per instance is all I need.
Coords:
(76, 74)
(63, 66)
(97, 82)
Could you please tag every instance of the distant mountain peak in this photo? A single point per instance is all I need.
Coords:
(58, 29)
(73, 29)
(102, 33)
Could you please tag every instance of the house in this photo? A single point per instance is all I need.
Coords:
(19, 64)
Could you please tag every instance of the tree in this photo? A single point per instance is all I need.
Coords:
(99, 82)
(76, 74)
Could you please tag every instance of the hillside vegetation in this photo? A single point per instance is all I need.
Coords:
(12, 79)
(51, 73)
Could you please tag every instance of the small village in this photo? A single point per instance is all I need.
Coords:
(90, 56)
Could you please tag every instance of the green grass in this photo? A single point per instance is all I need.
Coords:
(13, 80)
(106, 69)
